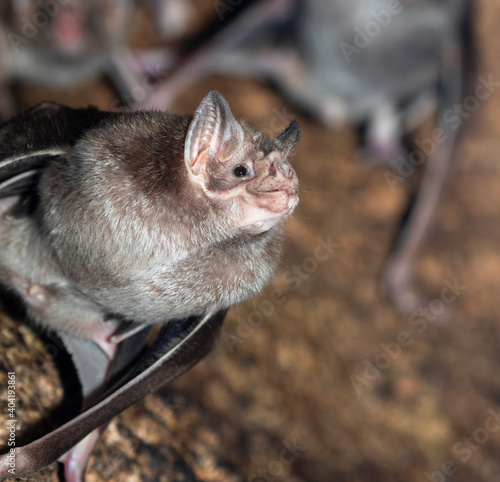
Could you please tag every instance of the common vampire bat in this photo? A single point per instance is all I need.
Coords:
(63, 43)
(386, 67)
(142, 216)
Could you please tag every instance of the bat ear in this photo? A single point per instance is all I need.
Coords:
(290, 137)
(213, 133)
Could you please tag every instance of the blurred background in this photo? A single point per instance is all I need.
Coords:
(320, 378)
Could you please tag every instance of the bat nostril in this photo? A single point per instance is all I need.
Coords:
(283, 170)
(290, 173)
(272, 170)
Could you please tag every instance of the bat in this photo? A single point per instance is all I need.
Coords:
(112, 222)
(385, 68)
(60, 44)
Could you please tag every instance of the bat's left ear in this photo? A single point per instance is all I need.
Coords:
(290, 137)
(213, 133)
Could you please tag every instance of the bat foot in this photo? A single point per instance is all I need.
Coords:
(75, 461)
(406, 299)
(409, 301)
(103, 338)
(397, 283)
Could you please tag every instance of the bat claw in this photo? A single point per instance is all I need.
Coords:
(409, 301)
(405, 298)
(397, 284)
(126, 332)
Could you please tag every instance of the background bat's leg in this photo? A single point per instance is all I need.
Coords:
(124, 75)
(178, 346)
(205, 58)
(400, 268)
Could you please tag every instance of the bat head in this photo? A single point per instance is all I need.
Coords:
(73, 28)
(240, 169)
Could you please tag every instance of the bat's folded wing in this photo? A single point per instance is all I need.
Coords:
(32, 139)
(178, 346)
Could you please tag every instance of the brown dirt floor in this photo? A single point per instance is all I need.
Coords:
(289, 380)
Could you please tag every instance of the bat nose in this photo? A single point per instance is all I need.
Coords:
(285, 170)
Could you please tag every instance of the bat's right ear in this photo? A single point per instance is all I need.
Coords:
(213, 133)
(290, 137)
(30, 140)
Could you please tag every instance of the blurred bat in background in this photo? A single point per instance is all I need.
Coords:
(386, 67)
(113, 222)
(62, 44)
(239, 32)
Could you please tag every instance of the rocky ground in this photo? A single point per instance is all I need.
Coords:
(276, 400)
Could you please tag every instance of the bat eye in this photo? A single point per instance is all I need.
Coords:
(240, 171)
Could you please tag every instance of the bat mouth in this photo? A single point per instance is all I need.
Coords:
(277, 202)
(290, 191)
